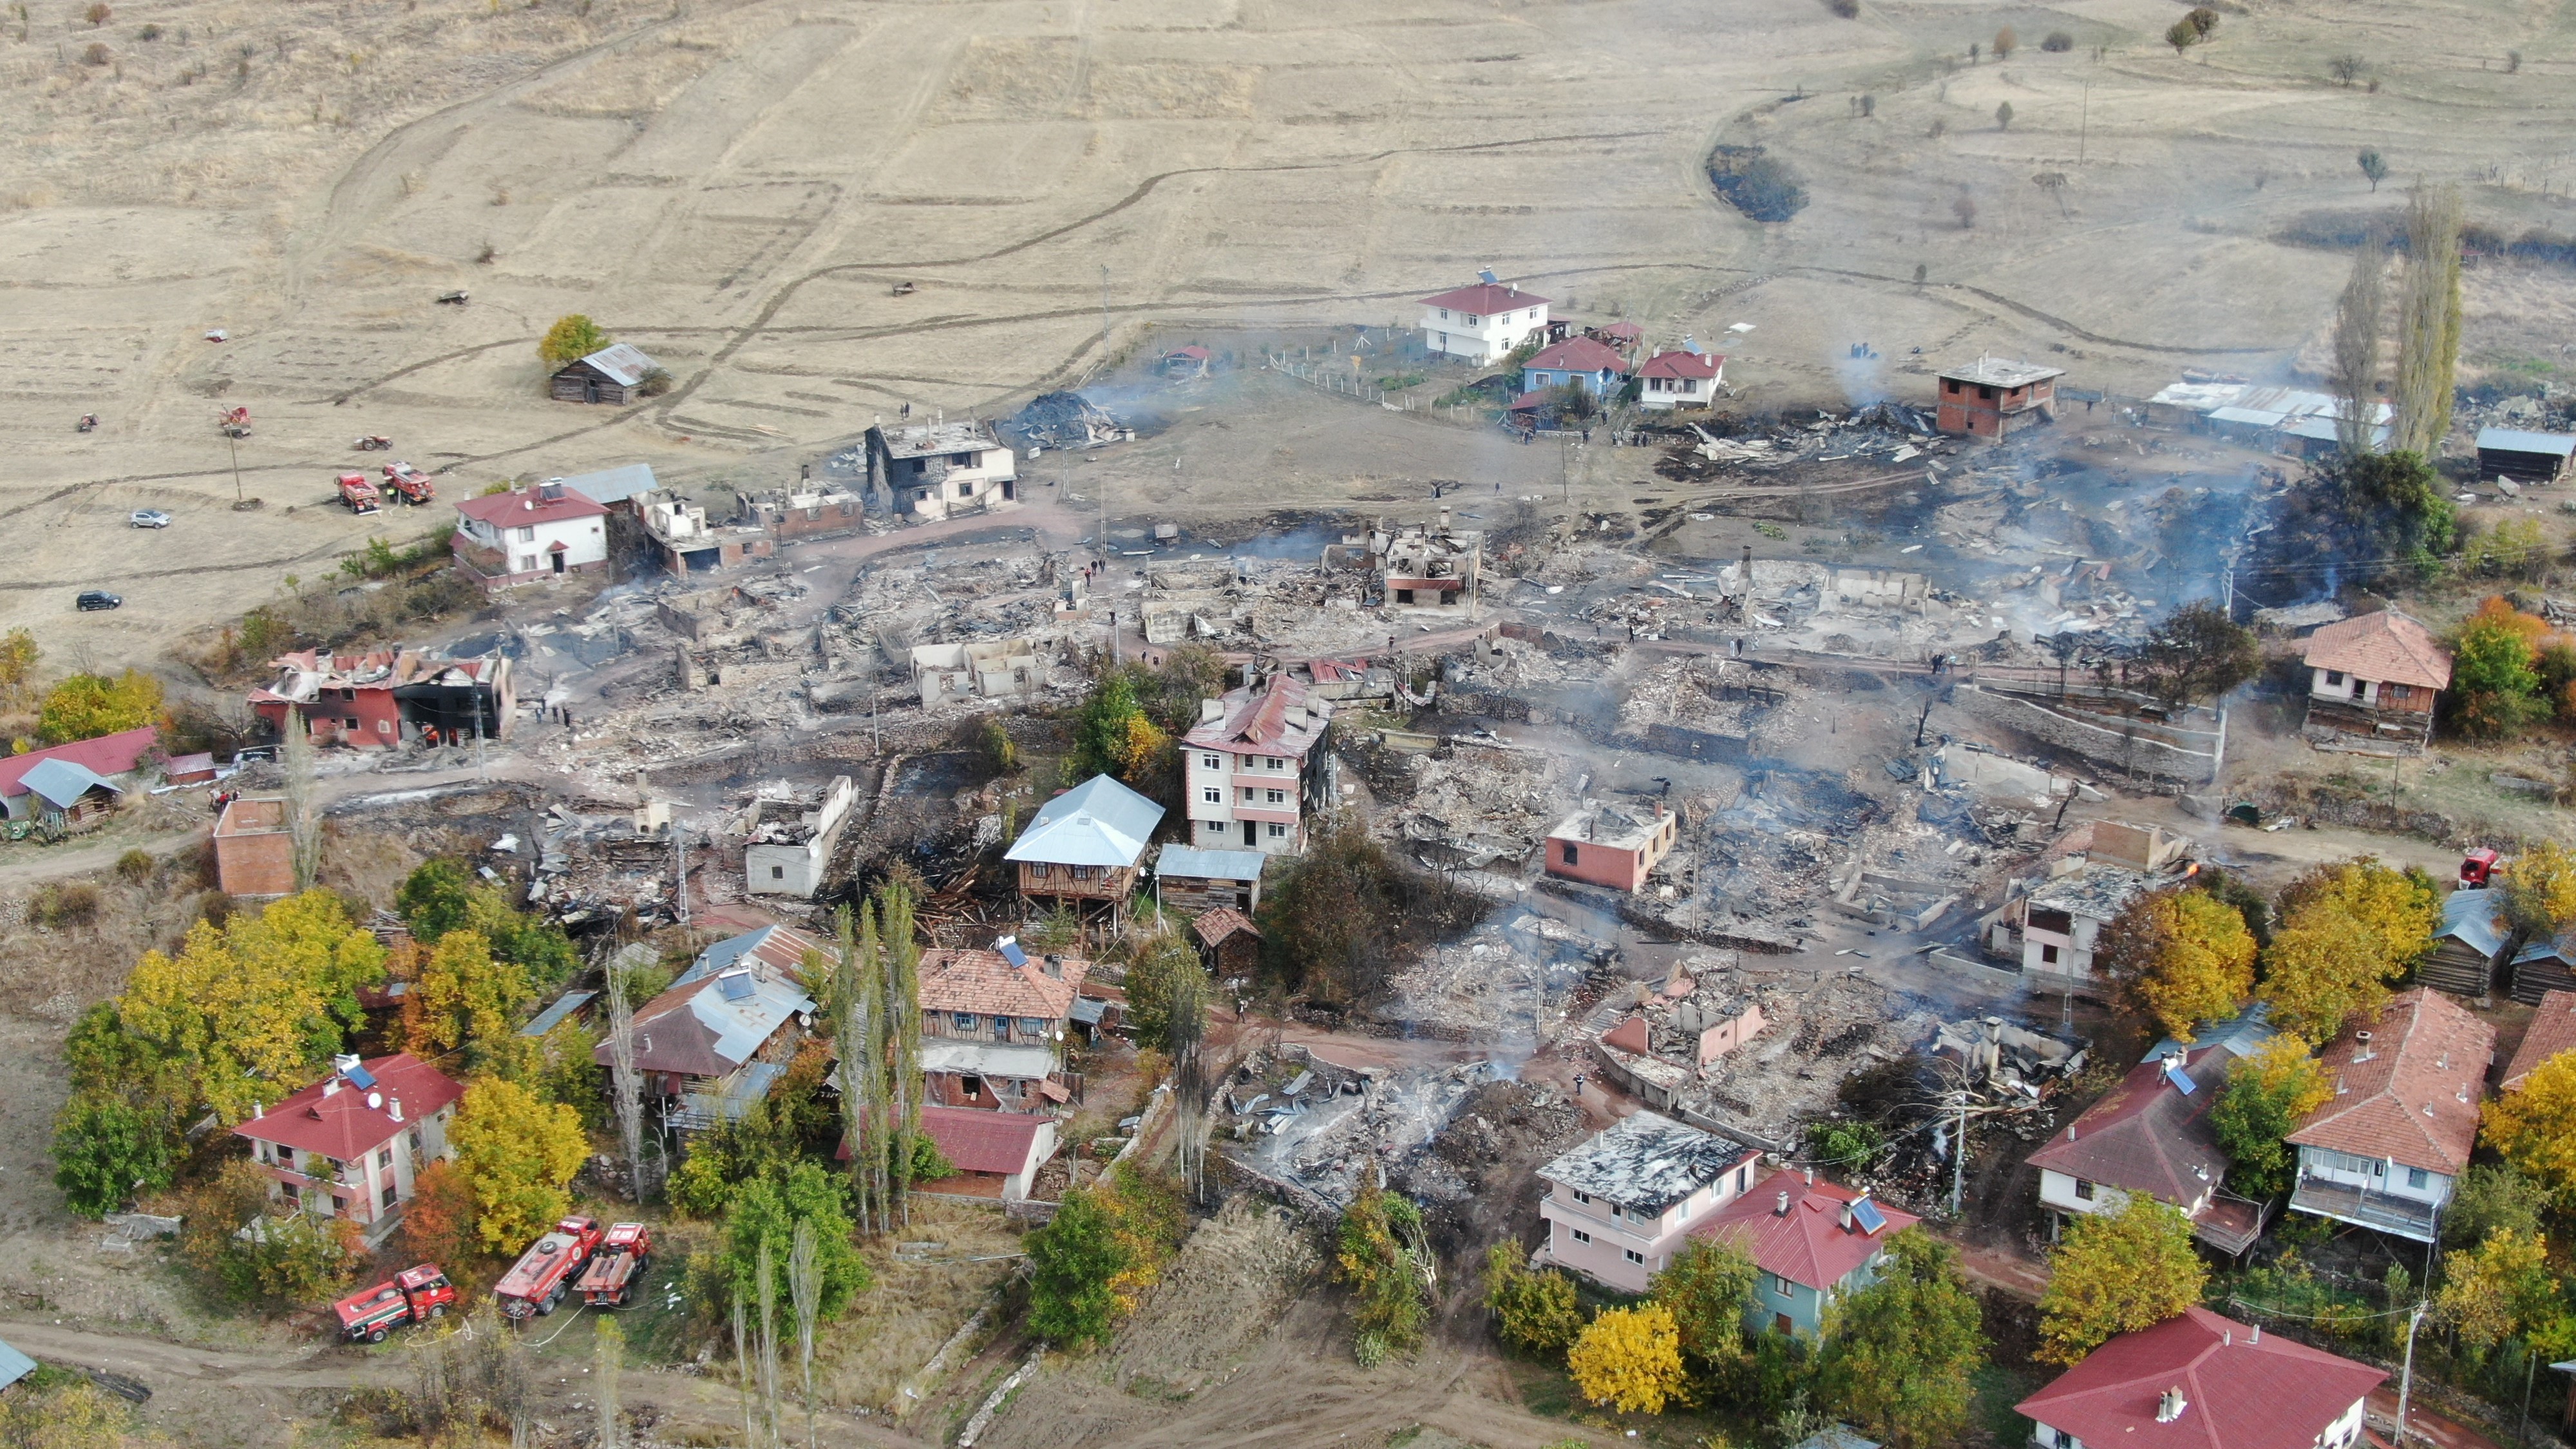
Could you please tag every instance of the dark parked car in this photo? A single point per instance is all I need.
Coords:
(100, 599)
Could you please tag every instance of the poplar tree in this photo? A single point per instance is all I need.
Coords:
(2428, 319)
(2358, 316)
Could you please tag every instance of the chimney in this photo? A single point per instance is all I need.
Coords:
(1780, 1203)
(1811, 1176)
(2255, 1337)
(257, 1111)
(393, 1109)
(1055, 967)
(2169, 1405)
(1843, 1218)
(330, 1086)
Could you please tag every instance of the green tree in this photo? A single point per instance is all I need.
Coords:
(464, 997)
(2003, 116)
(2116, 1272)
(2198, 653)
(1629, 1359)
(1852, 1146)
(1153, 980)
(2268, 1092)
(2179, 957)
(2428, 319)
(572, 338)
(516, 1153)
(766, 1210)
(441, 896)
(1900, 1354)
(2182, 36)
(2495, 679)
(85, 706)
(2373, 165)
(1708, 1288)
(1071, 1262)
(2492, 1197)
(107, 1151)
(1382, 1254)
(1534, 1312)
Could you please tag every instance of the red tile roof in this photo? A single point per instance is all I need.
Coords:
(1484, 299)
(1808, 1244)
(1214, 926)
(1258, 720)
(997, 1142)
(1579, 354)
(1682, 364)
(2410, 1094)
(2240, 1390)
(335, 1118)
(2553, 1030)
(984, 983)
(2147, 1136)
(2385, 646)
(518, 510)
(109, 755)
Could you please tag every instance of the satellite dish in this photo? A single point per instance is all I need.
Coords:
(1486, 276)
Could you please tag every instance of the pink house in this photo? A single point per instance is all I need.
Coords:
(1618, 1207)
(1605, 846)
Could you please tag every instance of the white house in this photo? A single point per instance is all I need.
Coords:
(1689, 378)
(788, 855)
(2061, 920)
(1252, 768)
(1483, 322)
(2385, 1149)
(350, 1145)
(529, 534)
(934, 470)
(1619, 1206)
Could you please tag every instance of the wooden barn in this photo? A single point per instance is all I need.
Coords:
(2524, 457)
(2543, 967)
(1229, 941)
(1192, 880)
(615, 375)
(2469, 946)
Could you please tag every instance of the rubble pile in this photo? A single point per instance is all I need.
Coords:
(1066, 420)
(1323, 1139)
(1481, 803)
(1506, 981)
(1888, 434)
(597, 864)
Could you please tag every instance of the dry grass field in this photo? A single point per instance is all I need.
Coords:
(737, 187)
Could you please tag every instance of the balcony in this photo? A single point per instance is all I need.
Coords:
(2230, 1223)
(2386, 1212)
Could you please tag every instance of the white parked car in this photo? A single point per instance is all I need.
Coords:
(148, 518)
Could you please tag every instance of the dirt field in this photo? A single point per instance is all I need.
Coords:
(737, 187)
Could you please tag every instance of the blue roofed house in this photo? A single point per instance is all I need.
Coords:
(67, 793)
(1081, 850)
(614, 489)
(14, 1365)
(2469, 947)
(1594, 366)
(1814, 1240)
(721, 1036)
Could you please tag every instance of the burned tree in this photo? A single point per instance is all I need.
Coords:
(303, 813)
(626, 1083)
(1185, 1025)
(2356, 345)
(2428, 319)
(2197, 653)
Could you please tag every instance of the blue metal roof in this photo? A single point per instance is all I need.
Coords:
(14, 1365)
(553, 1016)
(2475, 918)
(2240, 1035)
(1210, 864)
(722, 954)
(1089, 1010)
(2514, 440)
(1098, 822)
(61, 783)
(612, 485)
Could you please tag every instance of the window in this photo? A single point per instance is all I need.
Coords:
(970, 1087)
(1444, 316)
(965, 1020)
(1572, 853)
(2418, 1178)
(1278, 831)
(1634, 1256)
(965, 490)
(2048, 955)
(1472, 319)
(1950, 385)
(1215, 827)
(1212, 795)
(1741, 1174)
(1985, 394)
(1001, 1028)
(1581, 1236)
(1782, 1286)
(389, 1195)
(1276, 763)
(527, 563)
(384, 1158)
(1213, 762)
(1275, 797)
(1247, 797)
(1581, 1196)
(528, 535)
(2083, 1189)
(778, 872)
(1032, 1027)
(2334, 679)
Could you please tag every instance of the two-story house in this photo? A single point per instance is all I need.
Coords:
(1689, 378)
(350, 1145)
(1483, 322)
(2199, 1381)
(1252, 769)
(1618, 1207)
(993, 1026)
(1814, 1241)
(1606, 845)
(2151, 1134)
(719, 1039)
(1996, 397)
(2059, 923)
(2385, 1149)
(1080, 851)
(938, 469)
(529, 534)
(2372, 683)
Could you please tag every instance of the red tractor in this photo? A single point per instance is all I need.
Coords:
(411, 1296)
(2478, 868)
(544, 1273)
(359, 494)
(411, 484)
(233, 422)
(617, 1269)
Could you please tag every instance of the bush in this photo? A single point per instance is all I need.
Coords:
(1847, 9)
(2058, 42)
(1760, 186)
(657, 381)
(2006, 42)
(1381, 1254)
(1534, 1313)
(134, 866)
(62, 907)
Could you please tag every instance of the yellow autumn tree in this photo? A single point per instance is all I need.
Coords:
(463, 995)
(2534, 1126)
(2348, 933)
(515, 1154)
(1140, 749)
(2498, 1288)
(1629, 1359)
(2180, 957)
(2540, 889)
(2115, 1272)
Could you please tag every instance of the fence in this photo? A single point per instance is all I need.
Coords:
(1344, 380)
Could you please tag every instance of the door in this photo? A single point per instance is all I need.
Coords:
(1248, 837)
(559, 562)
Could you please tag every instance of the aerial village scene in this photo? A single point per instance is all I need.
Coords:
(1047, 725)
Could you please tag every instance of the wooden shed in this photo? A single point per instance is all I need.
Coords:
(615, 374)
(2524, 457)
(1229, 941)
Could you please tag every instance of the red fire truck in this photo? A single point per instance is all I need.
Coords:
(409, 483)
(410, 1296)
(359, 494)
(538, 1281)
(617, 1270)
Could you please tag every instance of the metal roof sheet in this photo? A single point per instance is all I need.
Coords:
(2515, 440)
(1098, 822)
(1183, 860)
(62, 782)
(1647, 1162)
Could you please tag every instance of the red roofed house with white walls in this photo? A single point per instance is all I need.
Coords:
(351, 1145)
(1483, 322)
(524, 535)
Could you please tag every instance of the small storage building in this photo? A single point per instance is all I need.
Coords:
(2524, 457)
(614, 374)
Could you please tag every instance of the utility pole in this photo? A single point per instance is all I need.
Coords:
(2084, 123)
(1959, 1155)
(1104, 317)
(234, 439)
(2406, 1376)
(680, 865)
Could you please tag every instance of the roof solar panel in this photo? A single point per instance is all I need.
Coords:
(1871, 1220)
(736, 985)
(2174, 1074)
(360, 1078)
(1009, 946)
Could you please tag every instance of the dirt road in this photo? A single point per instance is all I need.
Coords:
(154, 1363)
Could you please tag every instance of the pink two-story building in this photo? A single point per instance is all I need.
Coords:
(1618, 1207)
